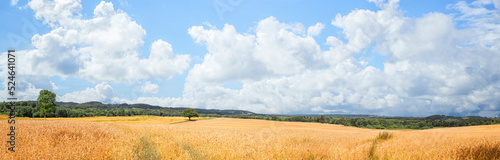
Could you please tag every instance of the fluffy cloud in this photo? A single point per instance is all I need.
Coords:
(101, 49)
(162, 63)
(283, 49)
(225, 47)
(149, 87)
(432, 67)
(102, 92)
(53, 11)
(274, 50)
(315, 30)
(293, 71)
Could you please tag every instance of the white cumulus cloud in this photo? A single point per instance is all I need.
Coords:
(149, 87)
(432, 66)
(315, 30)
(101, 49)
(102, 92)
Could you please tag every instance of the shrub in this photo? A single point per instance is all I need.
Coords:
(384, 135)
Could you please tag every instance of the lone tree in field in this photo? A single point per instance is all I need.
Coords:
(47, 100)
(190, 113)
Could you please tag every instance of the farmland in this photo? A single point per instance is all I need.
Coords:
(150, 137)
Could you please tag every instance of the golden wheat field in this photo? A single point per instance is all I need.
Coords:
(146, 137)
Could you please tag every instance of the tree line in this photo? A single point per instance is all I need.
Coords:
(45, 106)
(34, 110)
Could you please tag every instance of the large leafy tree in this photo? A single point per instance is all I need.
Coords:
(190, 113)
(47, 101)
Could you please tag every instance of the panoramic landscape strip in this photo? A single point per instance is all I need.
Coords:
(250, 79)
(30, 109)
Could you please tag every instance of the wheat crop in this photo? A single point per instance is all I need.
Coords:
(143, 137)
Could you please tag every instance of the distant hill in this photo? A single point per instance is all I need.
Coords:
(339, 115)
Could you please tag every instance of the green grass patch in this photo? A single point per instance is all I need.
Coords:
(191, 151)
(382, 136)
(146, 150)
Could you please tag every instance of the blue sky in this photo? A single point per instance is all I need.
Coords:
(414, 58)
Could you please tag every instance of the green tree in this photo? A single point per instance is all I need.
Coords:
(24, 111)
(190, 113)
(275, 118)
(344, 121)
(75, 113)
(361, 122)
(61, 112)
(110, 113)
(322, 119)
(121, 112)
(47, 101)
